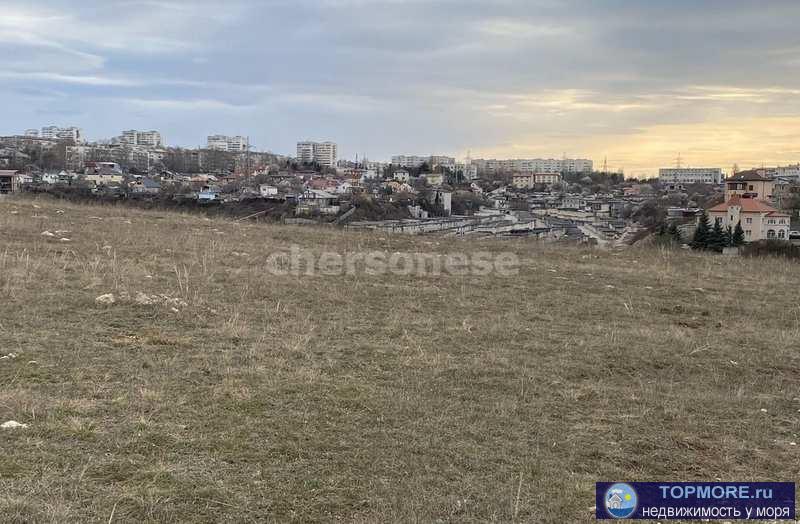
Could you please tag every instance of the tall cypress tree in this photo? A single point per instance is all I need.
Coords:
(738, 235)
(701, 233)
(716, 238)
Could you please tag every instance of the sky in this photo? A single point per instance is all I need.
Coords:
(638, 82)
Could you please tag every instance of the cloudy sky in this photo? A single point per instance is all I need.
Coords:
(636, 81)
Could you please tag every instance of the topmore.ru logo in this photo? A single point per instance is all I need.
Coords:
(621, 501)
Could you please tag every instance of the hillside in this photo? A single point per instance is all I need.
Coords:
(214, 390)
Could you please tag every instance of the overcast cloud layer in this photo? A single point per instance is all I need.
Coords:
(637, 81)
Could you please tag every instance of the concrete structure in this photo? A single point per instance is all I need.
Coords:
(535, 165)
(232, 144)
(758, 219)
(322, 153)
(677, 178)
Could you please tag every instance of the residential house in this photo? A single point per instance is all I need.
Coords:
(322, 184)
(145, 185)
(399, 187)
(317, 200)
(402, 176)
(750, 184)
(104, 179)
(758, 219)
(208, 194)
(9, 182)
(266, 190)
(345, 187)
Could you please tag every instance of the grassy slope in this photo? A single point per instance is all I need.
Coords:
(374, 398)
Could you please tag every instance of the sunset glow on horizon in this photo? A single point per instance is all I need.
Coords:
(635, 82)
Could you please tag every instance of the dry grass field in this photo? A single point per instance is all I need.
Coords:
(229, 394)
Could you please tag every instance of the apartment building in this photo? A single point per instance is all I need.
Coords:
(530, 180)
(133, 137)
(414, 161)
(676, 178)
(60, 133)
(232, 144)
(322, 153)
(534, 165)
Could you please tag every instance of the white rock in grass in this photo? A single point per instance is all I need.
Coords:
(9, 356)
(13, 424)
(47, 234)
(143, 299)
(66, 240)
(105, 300)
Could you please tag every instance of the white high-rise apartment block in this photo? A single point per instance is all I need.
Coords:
(409, 160)
(237, 144)
(31, 132)
(66, 133)
(141, 138)
(149, 139)
(232, 144)
(128, 137)
(535, 165)
(326, 153)
(323, 153)
(786, 172)
(690, 175)
(305, 152)
(50, 132)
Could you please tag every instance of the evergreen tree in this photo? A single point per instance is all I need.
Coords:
(675, 233)
(701, 233)
(716, 238)
(738, 235)
(728, 236)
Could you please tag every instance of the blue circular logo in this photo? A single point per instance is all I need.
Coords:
(621, 501)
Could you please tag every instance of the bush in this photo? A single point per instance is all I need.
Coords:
(775, 248)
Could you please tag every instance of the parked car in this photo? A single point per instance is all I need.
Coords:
(794, 235)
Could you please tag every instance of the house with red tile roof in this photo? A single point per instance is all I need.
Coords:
(759, 220)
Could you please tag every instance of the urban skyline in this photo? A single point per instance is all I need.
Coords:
(633, 82)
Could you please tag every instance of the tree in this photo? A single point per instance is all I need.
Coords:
(701, 233)
(675, 233)
(716, 238)
(737, 239)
